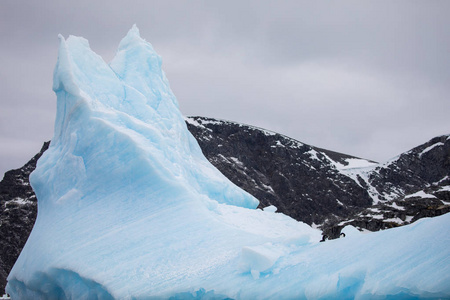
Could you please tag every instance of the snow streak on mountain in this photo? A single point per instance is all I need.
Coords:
(129, 208)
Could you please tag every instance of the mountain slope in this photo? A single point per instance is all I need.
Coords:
(326, 188)
(300, 180)
(424, 166)
(411, 186)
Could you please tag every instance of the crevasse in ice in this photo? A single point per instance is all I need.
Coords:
(129, 208)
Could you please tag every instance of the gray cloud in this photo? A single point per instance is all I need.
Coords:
(364, 78)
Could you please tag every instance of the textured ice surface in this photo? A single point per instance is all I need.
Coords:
(129, 208)
(350, 230)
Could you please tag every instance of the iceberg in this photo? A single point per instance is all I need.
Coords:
(129, 208)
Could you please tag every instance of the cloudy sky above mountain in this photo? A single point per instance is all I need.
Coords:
(364, 78)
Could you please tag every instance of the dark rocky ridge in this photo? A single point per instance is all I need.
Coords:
(308, 183)
(419, 167)
(18, 210)
(412, 186)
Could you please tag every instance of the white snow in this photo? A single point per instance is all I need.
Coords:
(313, 154)
(393, 194)
(194, 122)
(214, 122)
(445, 178)
(394, 205)
(358, 168)
(129, 208)
(267, 188)
(355, 163)
(394, 220)
(237, 161)
(444, 188)
(17, 200)
(378, 217)
(265, 131)
(420, 194)
(430, 148)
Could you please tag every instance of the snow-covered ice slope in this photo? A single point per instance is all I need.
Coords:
(128, 208)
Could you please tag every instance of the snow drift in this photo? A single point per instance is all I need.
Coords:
(129, 208)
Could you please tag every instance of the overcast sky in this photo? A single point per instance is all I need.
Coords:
(367, 78)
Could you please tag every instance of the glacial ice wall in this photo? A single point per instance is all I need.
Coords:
(129, 208)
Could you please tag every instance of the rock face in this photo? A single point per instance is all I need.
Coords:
(18, 209)
(317, 186)
(414, 185)
(300, 180)
(425, 165)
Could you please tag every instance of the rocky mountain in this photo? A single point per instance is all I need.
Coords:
(325, 189)
(18, 210)
(413, 185)
(300, 180)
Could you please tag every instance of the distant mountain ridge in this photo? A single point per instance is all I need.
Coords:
(323, 188)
